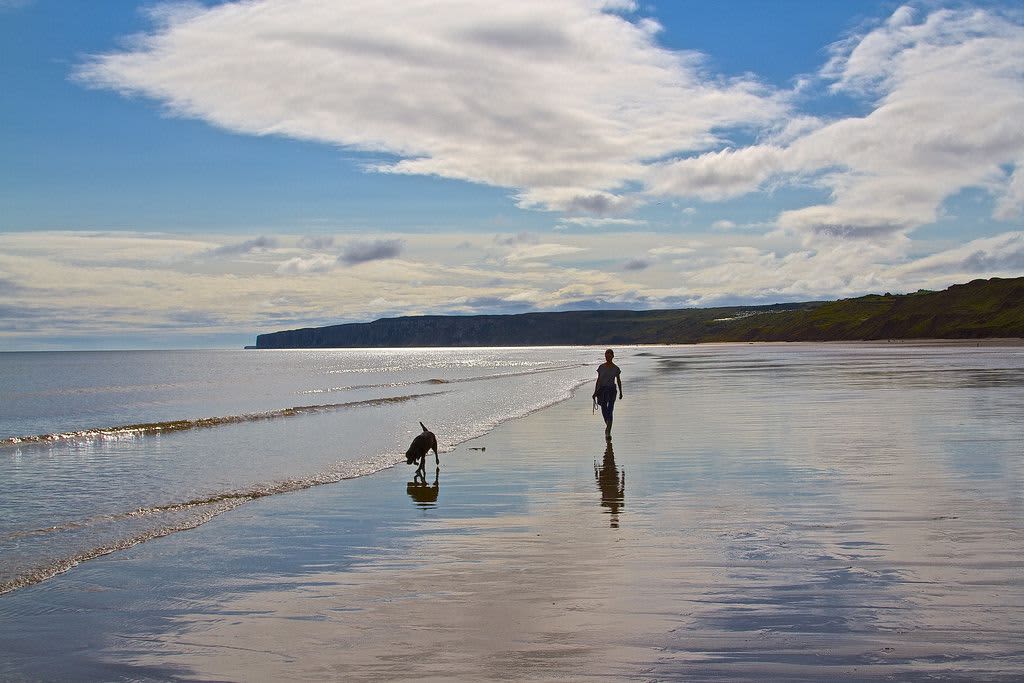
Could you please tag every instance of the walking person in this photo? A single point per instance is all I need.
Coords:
(608, 375)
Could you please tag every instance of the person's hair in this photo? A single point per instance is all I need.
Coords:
(607, 351)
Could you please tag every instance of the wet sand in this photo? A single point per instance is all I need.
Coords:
(728, 532)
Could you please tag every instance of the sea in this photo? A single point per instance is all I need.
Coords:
(100, 451)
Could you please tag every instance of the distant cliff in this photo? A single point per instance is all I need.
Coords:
(982, 308)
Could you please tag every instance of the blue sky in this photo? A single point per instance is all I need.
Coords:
(176, 175)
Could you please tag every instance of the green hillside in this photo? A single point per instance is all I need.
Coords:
(982, 308)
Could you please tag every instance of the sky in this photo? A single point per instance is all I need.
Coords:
(192, 174)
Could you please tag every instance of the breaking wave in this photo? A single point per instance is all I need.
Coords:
(146, 428)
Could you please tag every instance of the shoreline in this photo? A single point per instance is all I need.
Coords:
(727, 533)
(983, 341)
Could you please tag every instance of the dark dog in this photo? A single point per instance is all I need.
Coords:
(424, 441)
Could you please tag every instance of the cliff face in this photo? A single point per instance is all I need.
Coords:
(983, 308)
(527, 329)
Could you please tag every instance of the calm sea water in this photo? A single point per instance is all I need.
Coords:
(103, 450)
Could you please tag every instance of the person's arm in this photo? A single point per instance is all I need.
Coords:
(597, 385)
(618, 378)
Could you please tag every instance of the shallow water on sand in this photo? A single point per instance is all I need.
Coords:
(103, 450)
(787, 512)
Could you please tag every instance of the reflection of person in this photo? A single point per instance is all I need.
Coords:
(608, 374)
(613, 489)
(423, 494)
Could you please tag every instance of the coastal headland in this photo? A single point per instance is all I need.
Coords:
(979, 309)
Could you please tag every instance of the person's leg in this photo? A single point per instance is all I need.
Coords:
(607, 406)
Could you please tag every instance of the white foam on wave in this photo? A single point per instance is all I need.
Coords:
(137, 430)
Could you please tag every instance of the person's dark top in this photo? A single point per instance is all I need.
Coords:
(606, 374)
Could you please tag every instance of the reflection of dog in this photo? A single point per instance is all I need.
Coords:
(424, 441)
(424, 495)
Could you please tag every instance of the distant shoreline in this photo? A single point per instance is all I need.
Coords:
(981, 309)
(981, 341)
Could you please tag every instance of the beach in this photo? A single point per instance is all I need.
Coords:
(752, 518)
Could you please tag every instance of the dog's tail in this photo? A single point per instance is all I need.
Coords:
(424, 427)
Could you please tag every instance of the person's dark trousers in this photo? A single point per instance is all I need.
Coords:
(606, 399)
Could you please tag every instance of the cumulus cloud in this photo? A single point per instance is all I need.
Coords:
(637, 264)
(318, 263)
(1011, 201)
(670, 251)
(723, 225)
(1002, 255)
(717, 175)
(361, 251)
(489, 305)
(316, 242)
(246, 247)
(594, 222)
(517, 238)
(589, 204)
(565, 101)
(544, 251)
(576, 106)
(946, 98)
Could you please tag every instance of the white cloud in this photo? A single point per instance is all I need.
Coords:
(638, 263)
(671, 251)
(260, 243)
(316, 242)
(318, 263)
(1011, 201)
(517, 238)
(575, 106)
(152, 284)
(717, 175)
(947, 97)
(363, 250)
(544, 251)
(723, 225)
(560, 99)
(998, 256)
(594, 222)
